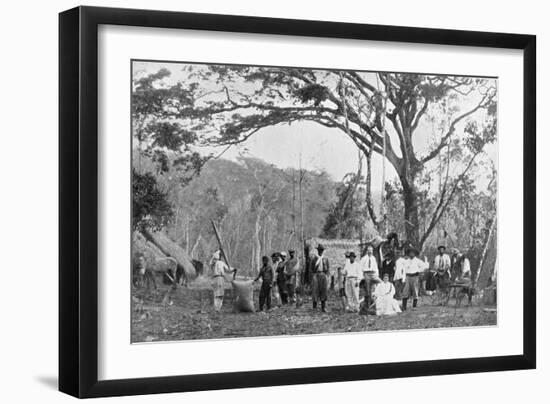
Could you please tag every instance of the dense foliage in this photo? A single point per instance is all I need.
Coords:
(150, 207)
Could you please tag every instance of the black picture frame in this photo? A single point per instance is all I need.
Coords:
(78, 200)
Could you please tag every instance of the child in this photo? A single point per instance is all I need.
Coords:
(341, 286)
(267, 275)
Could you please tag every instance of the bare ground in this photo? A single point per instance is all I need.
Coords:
(191, 316)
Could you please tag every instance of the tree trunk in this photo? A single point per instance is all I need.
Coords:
(257, 243)
(368, 193)
(411, 212)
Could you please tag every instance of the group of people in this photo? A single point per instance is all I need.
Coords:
(401, 275)
(282, 271)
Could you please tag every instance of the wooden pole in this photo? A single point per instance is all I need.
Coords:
(224, 256)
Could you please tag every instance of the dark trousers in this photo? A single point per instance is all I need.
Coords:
(443, 280)
(265, 296)
(320, 284)
(281, 284)
(431, 281)
(291, 289)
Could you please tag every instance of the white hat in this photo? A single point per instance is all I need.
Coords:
(283, 253)
(216, 255)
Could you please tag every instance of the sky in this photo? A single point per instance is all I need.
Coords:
(312, 145)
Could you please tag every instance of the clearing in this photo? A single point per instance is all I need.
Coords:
(191, 316)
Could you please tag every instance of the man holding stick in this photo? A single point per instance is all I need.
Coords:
(219, 269)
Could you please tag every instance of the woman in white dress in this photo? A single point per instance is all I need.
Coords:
(386, 305)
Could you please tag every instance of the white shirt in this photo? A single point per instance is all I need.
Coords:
(369, 264)
(384, 289)
(400, 268)
(466, 267)
(220, 268)
(415, 265)
(442, 262)
(353, 269)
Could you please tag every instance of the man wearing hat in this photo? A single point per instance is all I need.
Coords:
(369, 266)
(291, 269)
(442, 266)
(320, 278)
(413, 268)
(399, 275)
(219, 269)
(353, 274)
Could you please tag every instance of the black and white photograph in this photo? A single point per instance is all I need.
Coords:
(283, 201)
(275, 202)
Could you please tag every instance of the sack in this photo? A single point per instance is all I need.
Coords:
(243, 292)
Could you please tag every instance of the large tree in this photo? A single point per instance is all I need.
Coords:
(157, 134)
(381, 113)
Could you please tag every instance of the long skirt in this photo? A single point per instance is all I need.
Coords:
(352, 293)
(218, 287)
(319, 286)
(387, 306)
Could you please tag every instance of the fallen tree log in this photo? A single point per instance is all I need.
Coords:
(169, 248)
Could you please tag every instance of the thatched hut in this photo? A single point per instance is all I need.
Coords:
(334, 251)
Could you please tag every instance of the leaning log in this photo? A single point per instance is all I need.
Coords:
(488, 260)
(171, 249)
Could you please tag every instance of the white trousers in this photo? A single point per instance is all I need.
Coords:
(352, 293)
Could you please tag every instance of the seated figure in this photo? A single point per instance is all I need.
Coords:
(384, 293)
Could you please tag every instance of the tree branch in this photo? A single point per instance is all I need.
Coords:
(444, 203)
(482, 104)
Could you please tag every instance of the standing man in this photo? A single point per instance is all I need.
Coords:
(464, 275)
(267, 275)
(291, 269)
(275, 260)
(369, 266)
(353, 274)
(139, 271)
(462, 267)
(442, 266)
(388, 266)
(320, 280)
(399, 275)
(281, 277)
(413, 269)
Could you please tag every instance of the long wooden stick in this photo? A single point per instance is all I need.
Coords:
(217, 234)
